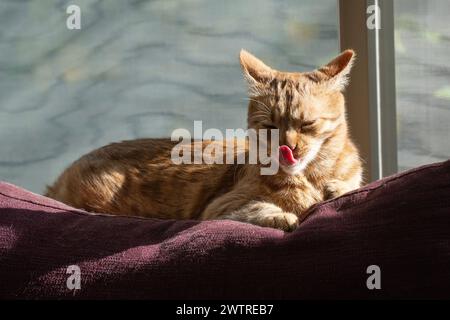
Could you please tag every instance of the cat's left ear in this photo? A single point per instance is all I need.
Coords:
(257, 74)
(335, 73)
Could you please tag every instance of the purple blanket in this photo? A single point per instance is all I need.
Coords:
(400, 224)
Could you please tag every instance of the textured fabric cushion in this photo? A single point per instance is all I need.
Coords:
(401, 224)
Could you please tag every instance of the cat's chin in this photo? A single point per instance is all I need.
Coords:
(294, 169)
(301, 165)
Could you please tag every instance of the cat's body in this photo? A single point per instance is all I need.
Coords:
(139, 178)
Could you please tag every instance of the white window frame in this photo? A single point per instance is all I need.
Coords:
(371, 95)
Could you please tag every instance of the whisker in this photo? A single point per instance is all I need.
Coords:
(261, 103)
(261, 113)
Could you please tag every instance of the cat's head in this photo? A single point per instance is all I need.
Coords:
(307, 108)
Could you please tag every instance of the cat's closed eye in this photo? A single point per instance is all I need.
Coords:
(305, 125)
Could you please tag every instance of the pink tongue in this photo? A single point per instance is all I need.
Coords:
(286, 156)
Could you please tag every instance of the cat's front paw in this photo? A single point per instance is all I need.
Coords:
(335, 188)
(283, 220)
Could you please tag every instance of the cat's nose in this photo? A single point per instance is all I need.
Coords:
(291, 139)
(291, 144)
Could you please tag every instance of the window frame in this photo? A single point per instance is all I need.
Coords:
(371, 95)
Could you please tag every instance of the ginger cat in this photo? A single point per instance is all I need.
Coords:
(318, 160)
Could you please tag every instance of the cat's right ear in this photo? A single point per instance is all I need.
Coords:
(256, 73)
(336, 72)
